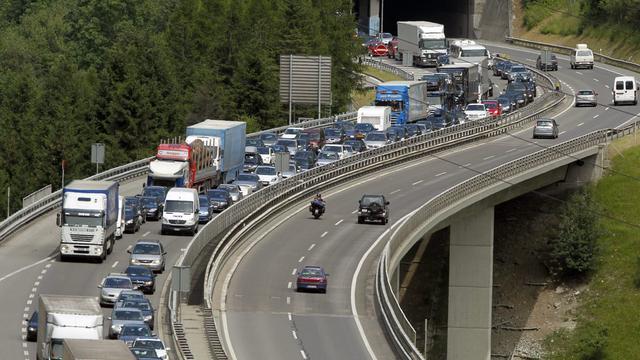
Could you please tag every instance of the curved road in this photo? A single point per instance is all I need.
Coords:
(266, 318)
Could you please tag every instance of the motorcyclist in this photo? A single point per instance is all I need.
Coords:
(318, 201)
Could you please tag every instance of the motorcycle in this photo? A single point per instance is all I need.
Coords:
(316, 208)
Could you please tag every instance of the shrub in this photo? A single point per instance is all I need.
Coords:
(573, 249)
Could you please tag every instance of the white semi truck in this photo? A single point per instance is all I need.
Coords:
(88, 219)
(62, 317)
(420, 43)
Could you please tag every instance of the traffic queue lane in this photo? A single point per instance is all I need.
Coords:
(317, 325)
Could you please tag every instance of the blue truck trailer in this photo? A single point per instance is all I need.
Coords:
(407, 100)
(88, 219)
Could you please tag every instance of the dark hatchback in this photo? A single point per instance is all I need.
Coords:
(142, 278)
(32, 327)
(152, 207)
(158, 191)
(219, 199)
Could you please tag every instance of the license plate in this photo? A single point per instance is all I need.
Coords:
(311, 286)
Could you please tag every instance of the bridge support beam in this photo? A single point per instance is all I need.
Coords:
(470, 286)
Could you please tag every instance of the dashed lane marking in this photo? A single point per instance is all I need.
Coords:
(488, 157)
(311, 247)
(417, 182)
(339, 222)
(114, 264)
(301, 259)
(394, 192)
(580, 124)
(595, 116)
(324, 234)
(294, 271)
(440, 174)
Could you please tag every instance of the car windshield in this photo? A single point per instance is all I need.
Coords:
(328, 156)
(117, 283)
(430, 77)
(251, 159)
(491, 105)
(253, 142)
(149, 249)
(292, 131)
(332, 148)
(203, 201)
(248, 177)
(584, 53)
(475, 107)
(585, 92)
(332, 132)
(135, 331)
(432, 44)
(518, 69)
(368, 200)
(311, 272)
(127, 315)
(301, 155)
(149, 191)
(228, 187)
(148, 201)
(179, 206)
(364, 127)
(263, 150)
(142, 305)
(287, 143)
(130, 201)
(150, 344)
(545, 123)
(376, 137)
(314, 136)
(266, 170)
(269, 137)
(138, 271)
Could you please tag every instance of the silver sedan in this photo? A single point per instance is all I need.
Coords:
(545, 128)
(586, 97)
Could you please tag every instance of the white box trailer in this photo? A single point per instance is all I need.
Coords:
(421, 42)
(378, 116)
(77, 349)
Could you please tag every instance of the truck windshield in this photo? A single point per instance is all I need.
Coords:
(432, 44)
(394, 105)
(76, 220)
(473, 53)
(179, 206)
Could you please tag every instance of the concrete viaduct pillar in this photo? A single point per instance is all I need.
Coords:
(470, 286)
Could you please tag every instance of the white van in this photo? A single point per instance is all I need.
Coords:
(181, 211)
(625, 90)
(120, 222)
(581, 56)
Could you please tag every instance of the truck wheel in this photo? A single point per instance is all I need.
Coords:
(360, 220)
(110, 248)
(63, 258)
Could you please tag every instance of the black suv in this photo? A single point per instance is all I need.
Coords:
(373, 208)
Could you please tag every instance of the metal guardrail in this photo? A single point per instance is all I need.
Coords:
(605, 59)
(249, 211)
(386, 67)
(395, 322)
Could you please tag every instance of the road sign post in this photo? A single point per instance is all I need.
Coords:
(97, 154)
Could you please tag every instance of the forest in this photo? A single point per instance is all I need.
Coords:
(127, 73)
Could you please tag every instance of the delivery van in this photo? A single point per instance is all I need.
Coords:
(581, 57)
(181, 211)
(625, 90)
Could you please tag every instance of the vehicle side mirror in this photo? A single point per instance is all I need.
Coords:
(108, 317)
(129, 251)
(197, 211)
(100, 286)
(154, 334)
(58, 219)
(167, 349)
(359, 201)
(164, 253)
(386, 203)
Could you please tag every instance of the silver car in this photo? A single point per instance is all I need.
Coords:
(111, 286)
(290, 171)
(586, 97)
(376, 139)
(124, 316)
(234, 191)
(248, 183)
(149, 253)
(327, 157)
(545, 128)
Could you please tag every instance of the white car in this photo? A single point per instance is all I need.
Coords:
(266, 153)
(152, 343)
(291, 133)
(267, 174)
(475, 112)
(343, 151)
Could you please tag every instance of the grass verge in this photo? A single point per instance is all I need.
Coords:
(608, 317)
(364, 97)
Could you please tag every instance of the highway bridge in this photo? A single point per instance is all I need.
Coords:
(258, 313)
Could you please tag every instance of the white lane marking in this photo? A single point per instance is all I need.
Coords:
(578, 72)
(417, 182)
(35, 289)
(464, 166)
(395, 191)
(440, 174)
(488, 157)
(301, 259)
(304, 355)
(47, 266)
(510, 150)
(562, 132)
(25, 315)
(114, 264)
(23, 330)
(289, 316)
(26, 353)
(311, 247)
(606, 109)
(147, 233)
(339, 222)
(29, 302)
(32, 295)
(324, 234)
(295, 336)
(354, 280)
(580, 124)
(596, 116)
(24, 345)
(354, 211)
(40, 277)
(26, 308)
(44, 271)
(607, 86)
(288, 300)
(28, 267)
(289, 285)
(37, 283)
(294, 271)
(596, 80)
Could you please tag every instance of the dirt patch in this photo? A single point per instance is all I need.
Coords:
(527, 305)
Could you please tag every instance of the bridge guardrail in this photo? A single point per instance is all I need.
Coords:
(235, 220)
(602, 58)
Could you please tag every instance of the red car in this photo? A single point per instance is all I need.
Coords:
(312, 278)
(376, 47)
(393, 49)
(493, 108)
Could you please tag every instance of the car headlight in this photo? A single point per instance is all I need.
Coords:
(156, 262)
(64, 248)
(129, 221)
(116, 328)
(363, 210)
(148, 282)
(165, 221)
(147, 318)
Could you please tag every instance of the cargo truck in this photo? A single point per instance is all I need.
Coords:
(421, 42)
(212, 154)
(378, 116)
(407, 100)
(472, 53)
(470, 80)
(62, 317)
(88, 219)
(76, 349)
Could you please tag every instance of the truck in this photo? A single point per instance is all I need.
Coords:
(211, 154)
(420, 43)
(79, 349)
(472, 53)
(88, 219)
(471, 81)
(378, 116)
(62, 317)
(406, 98)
